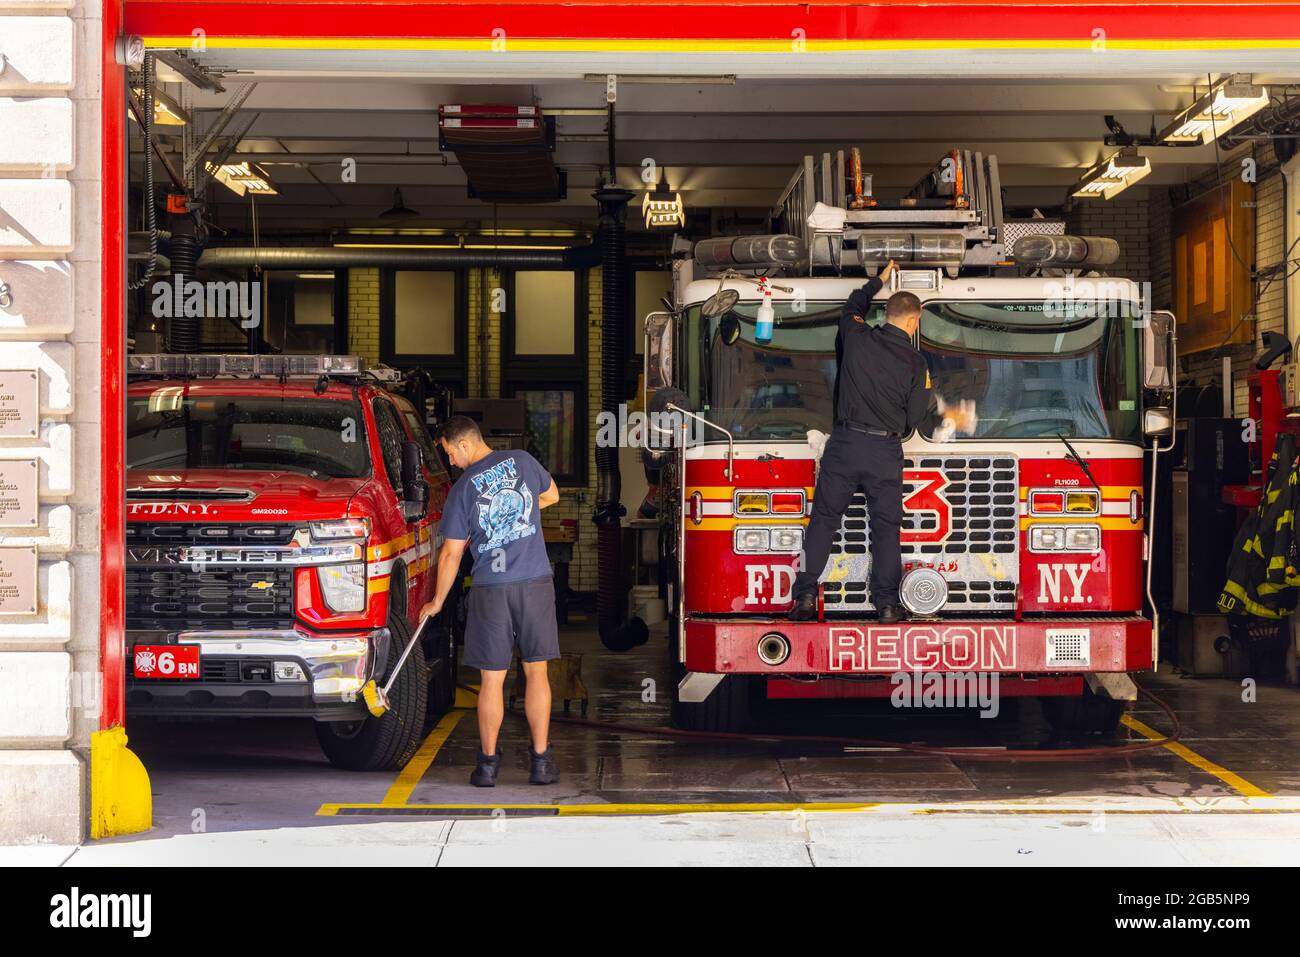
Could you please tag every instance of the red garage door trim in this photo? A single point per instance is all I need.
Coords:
(712, 27)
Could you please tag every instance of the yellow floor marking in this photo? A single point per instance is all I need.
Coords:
(578, 810)
(401, 790)
(1234, 781)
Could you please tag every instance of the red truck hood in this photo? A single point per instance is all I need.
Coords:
(222, 495)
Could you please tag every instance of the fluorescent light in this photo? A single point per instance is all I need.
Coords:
(663, 208)
(1113, 175)
(1228, 102)
(315, 275)
(241, 178)
(166, 111)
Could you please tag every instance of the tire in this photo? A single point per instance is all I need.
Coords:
(388, 742)
(728, 708)
(1087, 713)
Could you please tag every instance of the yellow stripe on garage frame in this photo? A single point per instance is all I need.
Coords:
(774, 46)
(1234, 781)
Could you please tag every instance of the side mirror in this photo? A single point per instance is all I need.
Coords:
(415, 489)
(1158, 420)
(1158, 352)
(659, 331)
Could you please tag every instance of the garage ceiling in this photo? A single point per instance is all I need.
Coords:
(726, 143)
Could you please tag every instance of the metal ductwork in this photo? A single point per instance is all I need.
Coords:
(617, 633)
(1272, 120)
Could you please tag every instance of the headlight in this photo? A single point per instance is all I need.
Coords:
(1084, 538)
(787, 539)
(1064, 538)
(750, 539)
(344, 586)
(1046, 538)
(344, 528)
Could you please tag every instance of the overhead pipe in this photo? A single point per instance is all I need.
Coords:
(306, 257)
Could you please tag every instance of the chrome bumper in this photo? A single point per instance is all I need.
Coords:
(335, 666)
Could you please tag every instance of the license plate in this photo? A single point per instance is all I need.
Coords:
(166, 661)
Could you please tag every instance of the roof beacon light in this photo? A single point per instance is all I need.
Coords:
(1041, 250)
(748, 252)
(936, 248)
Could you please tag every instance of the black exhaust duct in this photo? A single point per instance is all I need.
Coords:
(184, 333)
(616, 633)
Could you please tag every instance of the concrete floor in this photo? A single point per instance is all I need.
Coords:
(260, 791)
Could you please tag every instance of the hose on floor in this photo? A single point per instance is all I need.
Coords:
(1028, 755)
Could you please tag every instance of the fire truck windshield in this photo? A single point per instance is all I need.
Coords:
(325, 437)
(1034, 369)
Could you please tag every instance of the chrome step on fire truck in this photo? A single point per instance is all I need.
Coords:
(282, 512)
(1025, 545)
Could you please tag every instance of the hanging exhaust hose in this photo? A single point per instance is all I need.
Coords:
(617, 633)
(184, 332)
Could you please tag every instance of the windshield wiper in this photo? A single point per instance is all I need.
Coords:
(1078, 460)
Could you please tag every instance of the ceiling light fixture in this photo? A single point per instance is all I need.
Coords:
(1112, 175)
(1231, 100)
(242, 178)
(662, 207)
(399, 208)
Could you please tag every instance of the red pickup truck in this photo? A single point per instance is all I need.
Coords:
(282, 517)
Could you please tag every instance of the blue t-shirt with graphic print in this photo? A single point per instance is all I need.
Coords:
(494, 505)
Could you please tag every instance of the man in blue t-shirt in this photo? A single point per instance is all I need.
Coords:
(493, 509)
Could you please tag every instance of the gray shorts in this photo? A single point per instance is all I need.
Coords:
(514, 616)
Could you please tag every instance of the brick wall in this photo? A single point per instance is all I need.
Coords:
(1124, 219)
(485, 331)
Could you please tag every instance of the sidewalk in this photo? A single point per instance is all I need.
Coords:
(883, 836)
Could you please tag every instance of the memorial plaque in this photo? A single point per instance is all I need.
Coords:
(19, 403)
(18, 580)
(18, 508)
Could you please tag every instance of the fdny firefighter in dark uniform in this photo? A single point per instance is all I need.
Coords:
(882, 393)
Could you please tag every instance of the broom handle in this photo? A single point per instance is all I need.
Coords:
(405, 652)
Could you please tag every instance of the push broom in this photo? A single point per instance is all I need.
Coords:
(376, 698)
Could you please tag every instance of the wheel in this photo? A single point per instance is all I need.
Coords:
(388, 742)
(1087, 713)
(728, 708)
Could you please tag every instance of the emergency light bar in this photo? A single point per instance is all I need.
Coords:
(211, 366)
(939, 248)
(1068, 251)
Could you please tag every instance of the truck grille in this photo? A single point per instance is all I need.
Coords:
(179, 598)
(141, 534)
(979, 555)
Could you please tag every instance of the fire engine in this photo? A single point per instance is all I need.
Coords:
(1025, 544)
(281, 516)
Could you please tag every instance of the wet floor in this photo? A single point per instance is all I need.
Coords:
(229, 775)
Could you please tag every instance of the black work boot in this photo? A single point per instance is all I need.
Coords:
(485, 772)
(544, 770)
(805, 607)
(889, 614)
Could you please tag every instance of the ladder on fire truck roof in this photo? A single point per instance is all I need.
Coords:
(952, 216)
